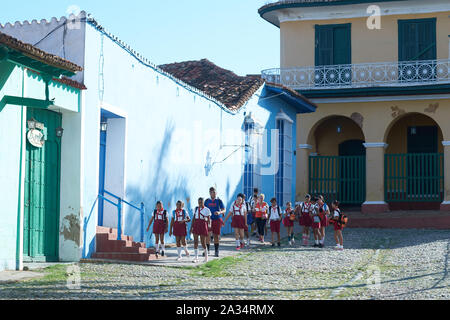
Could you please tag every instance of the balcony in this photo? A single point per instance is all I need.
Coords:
(362, 75)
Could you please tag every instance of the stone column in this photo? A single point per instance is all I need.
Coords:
(302, 183)
(445, 205)
(375, 178)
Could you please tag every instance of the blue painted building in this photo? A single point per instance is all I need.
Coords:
(167, 132)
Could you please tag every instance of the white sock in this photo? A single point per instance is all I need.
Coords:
(185, 249)
(316, 241)
(238, 243)
(179, 251)
(321, 241)
(162, 246)
(196, 253)
(157, 247)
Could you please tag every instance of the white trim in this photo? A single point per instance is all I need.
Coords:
(283, 116)
(113, 109)
(446, 143)
(383, 98)
(445, 202)
(305, 146)
(357, 10)
(375, 145)
(374, 202)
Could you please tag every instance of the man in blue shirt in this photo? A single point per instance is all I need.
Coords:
(215, 205)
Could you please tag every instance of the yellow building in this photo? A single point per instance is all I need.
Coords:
(379, 72)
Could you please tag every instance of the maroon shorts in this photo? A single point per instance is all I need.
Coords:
(179, 229)
(324, 221)
(288, 222)
(305, 220)
(216, 226)
(159, 227)
(200, 227)
(316, 225)
(275, 226)
(238, 222)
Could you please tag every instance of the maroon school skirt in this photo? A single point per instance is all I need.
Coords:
(324, 221)
(275, 226)
(159, 227)
(216, 226)
(238, 222)
(179, 229)
(337, 226)
(288, 222)
(316, 225)
(200, 227)
(305, 220)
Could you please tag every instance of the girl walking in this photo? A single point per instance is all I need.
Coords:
(338, 225)
(324, 213)
(304, 219)
(199, 228)
(160, 226)
(275, 217)
(314, 213)
(178, 227)
(261, 215)
(288, 221)
(239, 220)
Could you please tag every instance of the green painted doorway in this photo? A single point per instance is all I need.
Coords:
(42, 190)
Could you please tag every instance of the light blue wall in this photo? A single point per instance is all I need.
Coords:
(156, 110)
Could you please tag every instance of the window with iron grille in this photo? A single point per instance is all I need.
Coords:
(252, 175)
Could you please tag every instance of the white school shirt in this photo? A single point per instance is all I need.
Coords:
(205, 212)
(179, 217)
(238, 211)
(315, 212)
(336, 213)
(274, 213)
(305, 207)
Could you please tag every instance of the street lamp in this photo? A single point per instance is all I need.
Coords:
(59, 132)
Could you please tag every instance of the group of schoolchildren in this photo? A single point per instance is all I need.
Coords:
(247, 217)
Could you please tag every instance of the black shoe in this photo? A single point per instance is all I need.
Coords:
(315, 245)
(273, 244)
(216, 254)
(279, 244)
(162, 253)
(320, 245)
(203, 254)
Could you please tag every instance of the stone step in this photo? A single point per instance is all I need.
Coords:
(124, 256)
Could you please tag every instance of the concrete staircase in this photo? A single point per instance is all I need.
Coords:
(109, 248)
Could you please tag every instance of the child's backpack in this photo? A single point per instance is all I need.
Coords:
(343, 219)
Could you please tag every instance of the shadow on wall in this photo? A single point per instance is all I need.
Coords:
(160, 186)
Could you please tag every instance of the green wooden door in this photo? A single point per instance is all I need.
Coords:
(42, 174)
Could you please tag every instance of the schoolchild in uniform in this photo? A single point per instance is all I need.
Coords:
(178, 227)
(261, 215)
(215, 205)
(160, 226)
(324, 214)
(275, 217)
(199, 228)
(304, 219)
(336, 220)
(314, 213)
(238, 221)
(288, 221)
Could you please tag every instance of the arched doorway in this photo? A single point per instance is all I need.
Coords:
(337, 165)
(414, 163)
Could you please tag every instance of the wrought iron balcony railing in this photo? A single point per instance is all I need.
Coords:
(361, 75)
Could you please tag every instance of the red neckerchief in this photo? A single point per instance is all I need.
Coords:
(199, 211)
(177, 211)
(158, 212)
(240, 207)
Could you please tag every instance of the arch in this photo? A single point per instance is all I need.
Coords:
(325, 137)
(395, 135)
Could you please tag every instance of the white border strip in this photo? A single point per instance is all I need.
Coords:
(446, 143)
(305, 146)
(375, 145)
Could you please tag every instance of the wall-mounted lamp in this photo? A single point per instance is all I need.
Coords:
(59, 132)
(103, 126)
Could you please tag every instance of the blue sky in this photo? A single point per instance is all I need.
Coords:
(230, 33)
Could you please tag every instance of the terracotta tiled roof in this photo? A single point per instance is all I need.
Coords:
(38, 54)
(223, 85)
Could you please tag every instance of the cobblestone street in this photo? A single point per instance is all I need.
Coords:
(403, 264)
